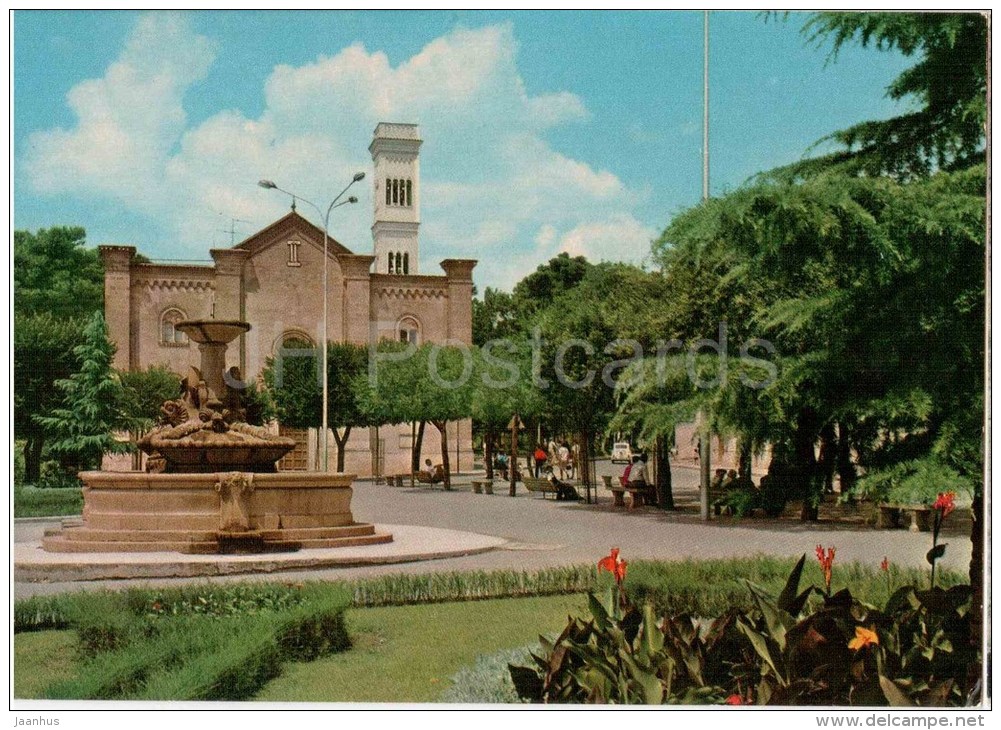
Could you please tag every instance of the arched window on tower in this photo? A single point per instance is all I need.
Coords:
(396, 192)
(389, 267)
(170, 336)
(410, 190)
(399, 263)
(389, 192)
(406, 263)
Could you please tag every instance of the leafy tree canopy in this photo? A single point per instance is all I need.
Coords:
(54, 272)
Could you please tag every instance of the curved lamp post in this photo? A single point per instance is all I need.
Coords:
(269, 185)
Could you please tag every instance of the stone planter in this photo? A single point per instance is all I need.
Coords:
(894, 515)
(488, 487)
(889, 517)
(921, 519)
(477, 487)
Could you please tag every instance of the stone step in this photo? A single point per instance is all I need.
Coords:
(137, 521)
(318, 533)
(90, 534)
(377, 539)
(63, 545)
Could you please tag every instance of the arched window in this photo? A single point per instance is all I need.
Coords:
(293, 339)
(389, 268)
(409, 329)
(389, 192)
(406, 263)
(170, 336)
(410, 199)
(399, 263)
(396, 192)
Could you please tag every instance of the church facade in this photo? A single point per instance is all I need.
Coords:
(274, 280)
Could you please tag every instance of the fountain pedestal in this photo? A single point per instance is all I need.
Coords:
(219, 491)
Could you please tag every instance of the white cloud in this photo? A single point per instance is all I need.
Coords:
(127, 120)
(622, 238)
(493, 187)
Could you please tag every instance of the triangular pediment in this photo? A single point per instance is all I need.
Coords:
(281, 229)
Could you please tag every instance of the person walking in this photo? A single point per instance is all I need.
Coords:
(563, 459)
(540, 460)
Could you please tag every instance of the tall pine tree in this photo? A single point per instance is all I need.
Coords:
(82, 429)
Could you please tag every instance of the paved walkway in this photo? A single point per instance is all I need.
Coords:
(542, 533)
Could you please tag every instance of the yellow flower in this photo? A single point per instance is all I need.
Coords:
(863, 638)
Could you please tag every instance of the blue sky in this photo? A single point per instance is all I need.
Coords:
(544, 131)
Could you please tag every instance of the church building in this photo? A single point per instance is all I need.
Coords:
(274, 281)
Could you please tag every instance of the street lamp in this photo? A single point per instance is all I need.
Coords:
(269, 185)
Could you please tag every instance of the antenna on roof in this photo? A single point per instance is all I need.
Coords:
(232, 229)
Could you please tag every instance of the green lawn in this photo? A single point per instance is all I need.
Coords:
(49, 502)
(40, 658)
(409, 653)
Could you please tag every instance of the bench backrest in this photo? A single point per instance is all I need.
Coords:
(538, 485)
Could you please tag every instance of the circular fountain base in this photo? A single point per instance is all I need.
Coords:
(221, 512)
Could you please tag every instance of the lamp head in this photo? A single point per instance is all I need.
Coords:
(358, 176)
(267, 184)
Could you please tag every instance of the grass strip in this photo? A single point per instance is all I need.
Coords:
(47, 502)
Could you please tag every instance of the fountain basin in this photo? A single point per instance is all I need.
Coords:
(213, 512)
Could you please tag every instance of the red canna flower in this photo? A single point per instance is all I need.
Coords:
(826, 560)
(885, 565)
(734, 699)
(945, 503)
(614, 565)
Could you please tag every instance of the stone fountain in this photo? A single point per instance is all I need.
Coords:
(211, 484)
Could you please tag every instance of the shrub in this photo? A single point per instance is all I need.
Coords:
(783, 651)
(742, 501)
(52, 475)
(49, 502)
(221, 642)
(488, 680)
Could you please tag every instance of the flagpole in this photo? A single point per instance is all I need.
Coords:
(705, 105)
(705, 438)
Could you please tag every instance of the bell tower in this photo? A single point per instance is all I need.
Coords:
(395, 152)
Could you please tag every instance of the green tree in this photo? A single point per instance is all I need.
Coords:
(143, 392)
(54, 272)
(948, 85)
(427, 384)
(871, 292)
(588, 335)
(494, 317)
(43, 354)
(297, 393)
(502, 387)
(82, 429)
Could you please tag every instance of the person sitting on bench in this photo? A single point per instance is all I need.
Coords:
(432, 474)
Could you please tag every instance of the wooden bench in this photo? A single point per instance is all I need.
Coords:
(483, 486)
(619, 494)
(544, 486)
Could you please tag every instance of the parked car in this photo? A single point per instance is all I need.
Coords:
(622, 453)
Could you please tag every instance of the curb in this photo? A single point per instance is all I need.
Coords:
(64, 567)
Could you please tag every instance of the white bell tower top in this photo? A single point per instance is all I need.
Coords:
(395, 152)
